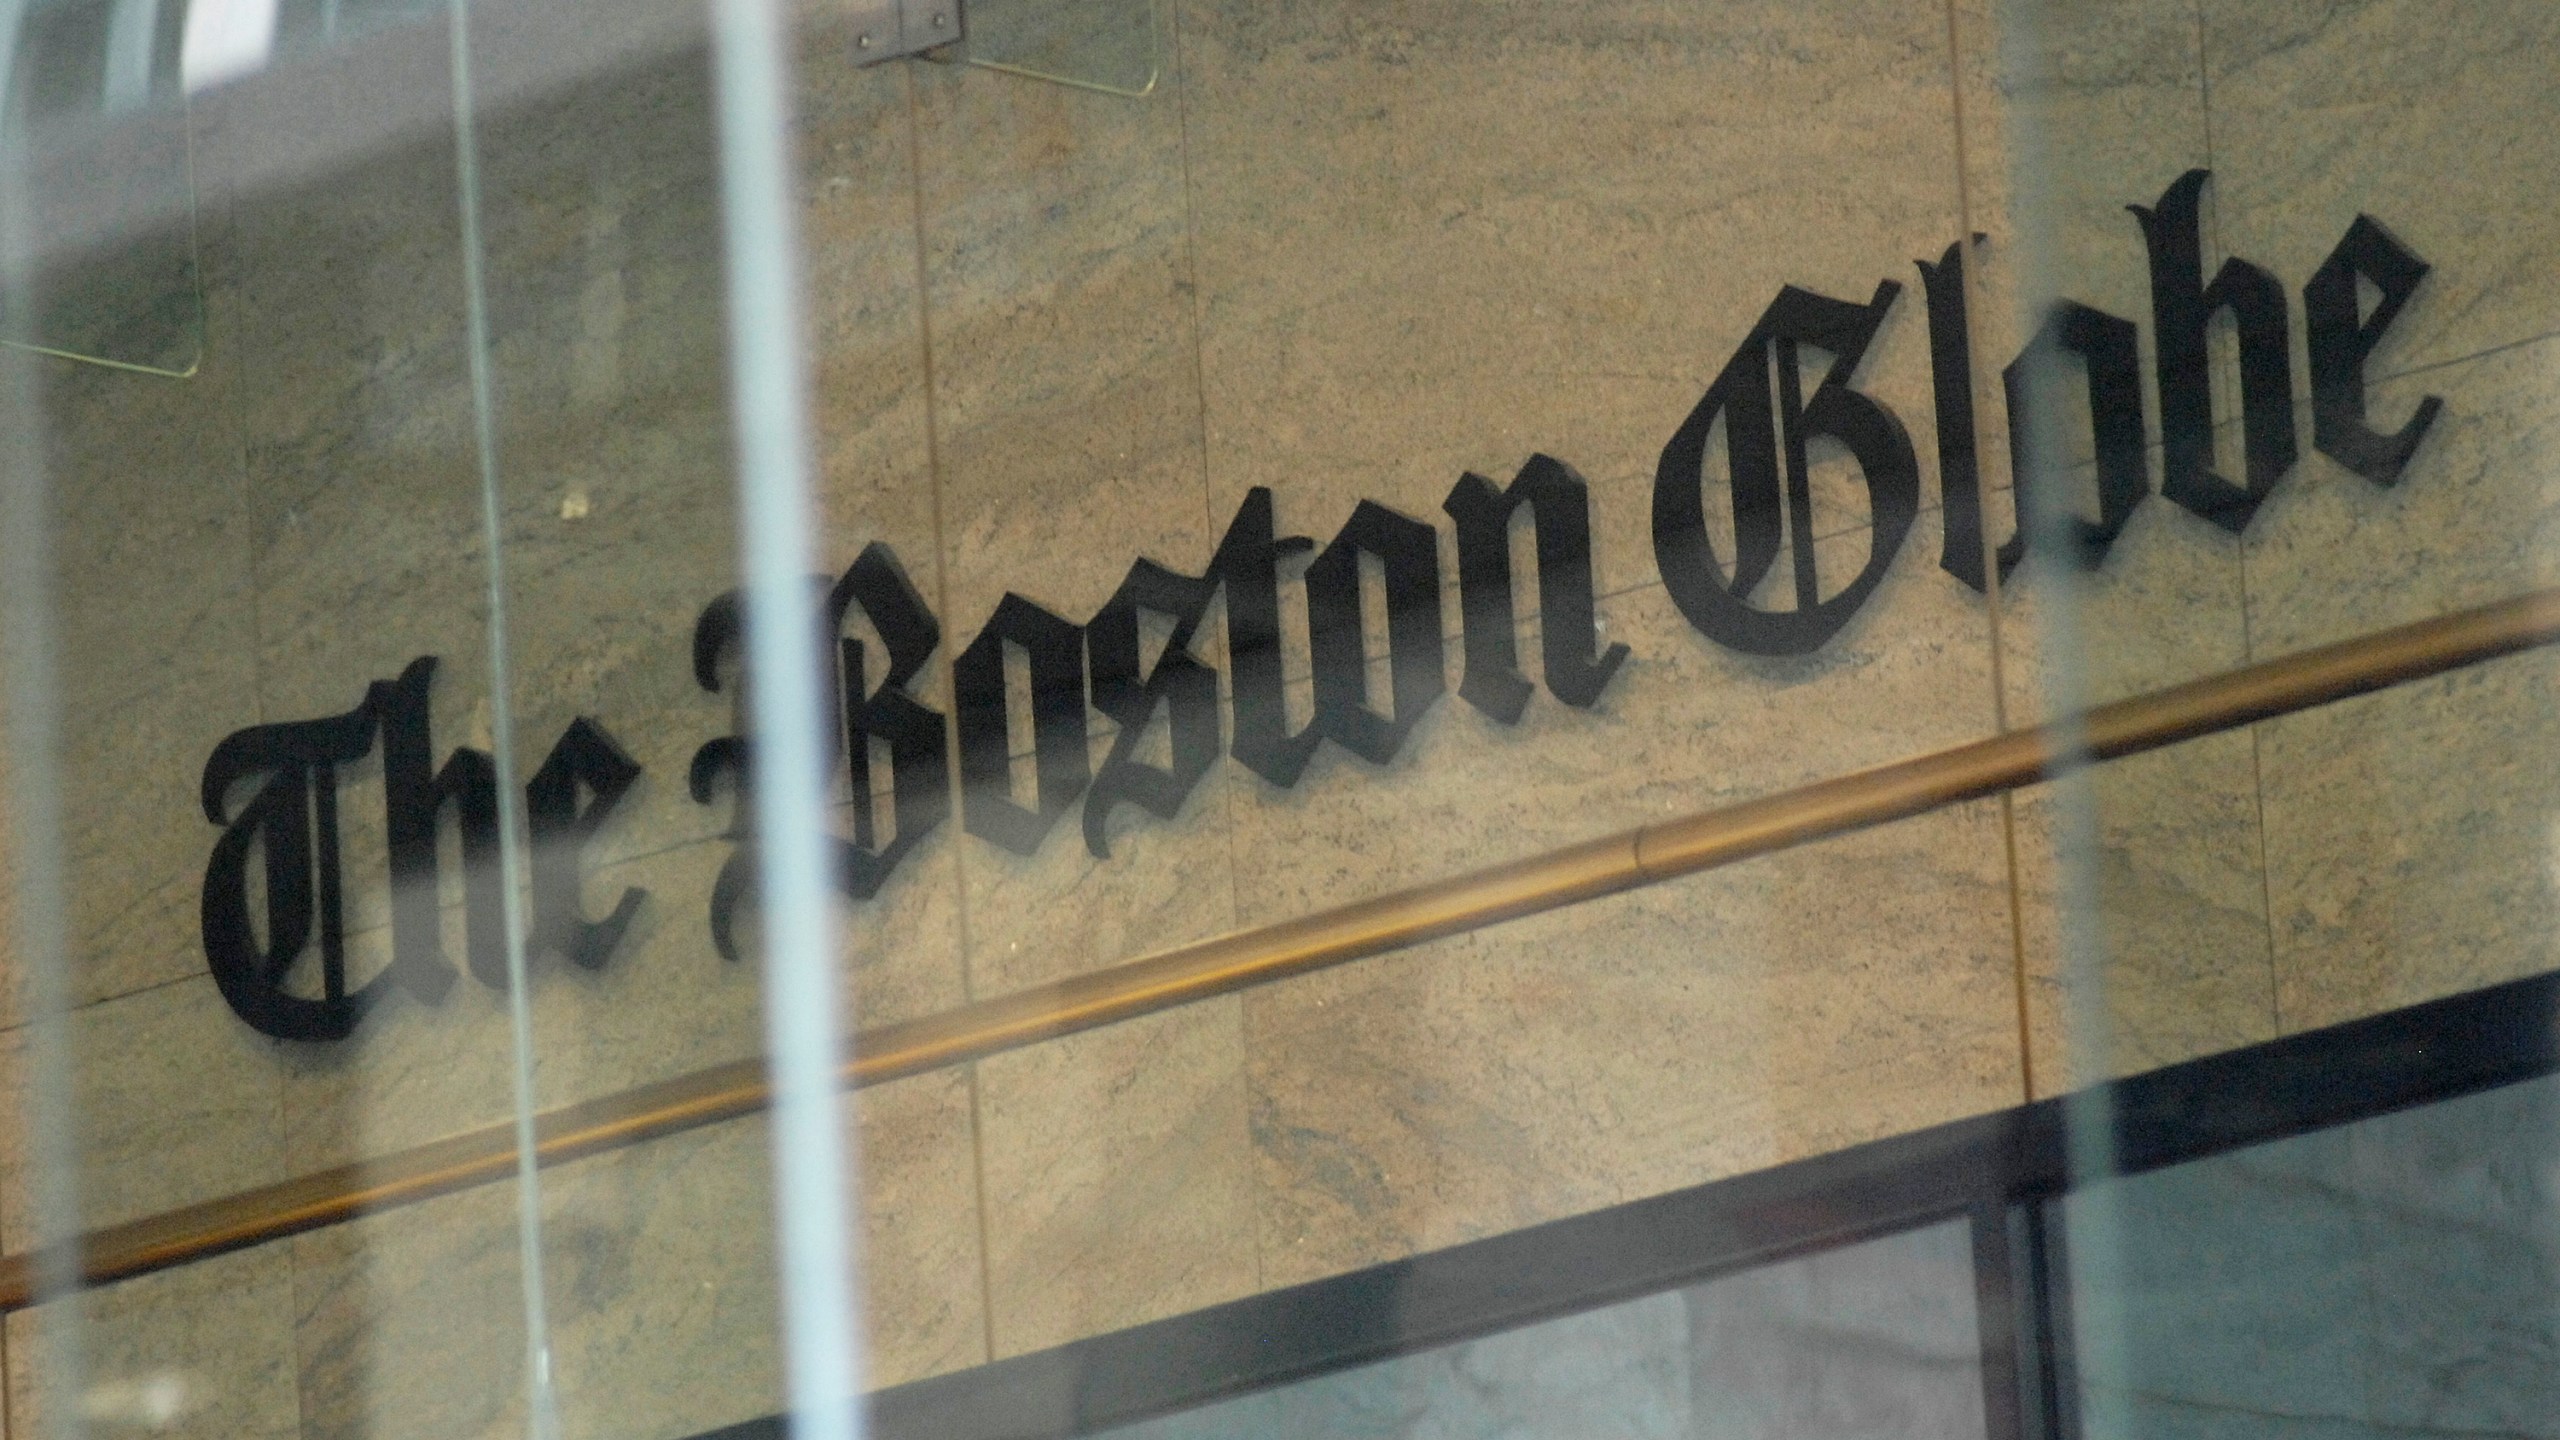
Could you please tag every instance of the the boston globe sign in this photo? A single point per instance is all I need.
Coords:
(274, 928)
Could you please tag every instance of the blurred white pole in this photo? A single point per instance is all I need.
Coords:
(133, 30)
(31, 731)
(2093, 1224)
(813, 1171)
(13, 19)
(542, 1410)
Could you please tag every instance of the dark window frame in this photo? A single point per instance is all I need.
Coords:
(1999, 1170)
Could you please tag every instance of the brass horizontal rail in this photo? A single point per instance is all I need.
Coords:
(1229, 963)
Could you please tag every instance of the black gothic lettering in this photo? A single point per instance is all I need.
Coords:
(918, 756)
(2034, 383)
(285, 777)
(585, 758)
(300, 761)
(1722, 609)
(1184, 688)
(726, 757)
(2342, 338)
(415, 794)
(1408, 551)
(1063, 765)
(1951, 384)
(293, 820)
(1560, 507)
(1247, 568)
(719, 631)
(2182, 306)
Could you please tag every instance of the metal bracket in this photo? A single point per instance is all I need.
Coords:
(895, 29)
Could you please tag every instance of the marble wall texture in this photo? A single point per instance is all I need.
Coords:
(1344, 251)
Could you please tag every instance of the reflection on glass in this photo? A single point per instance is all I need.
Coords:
(1879, 1328)
(109, 273)
(303, 25)
(136, 305)
(1106, 45)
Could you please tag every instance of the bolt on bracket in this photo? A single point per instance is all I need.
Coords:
(895, 29)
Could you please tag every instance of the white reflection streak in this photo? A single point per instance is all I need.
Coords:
(813, 1169)
(542, 1415)
(224, 40)
(133, 27)
(2093, 1225)
(30, 727)
(13, 18)
(148, 1402)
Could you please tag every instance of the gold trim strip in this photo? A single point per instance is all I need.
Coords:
(1230, 963)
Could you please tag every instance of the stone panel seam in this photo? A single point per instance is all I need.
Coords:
(1992, 611)
(1181, 88)
(951, 743)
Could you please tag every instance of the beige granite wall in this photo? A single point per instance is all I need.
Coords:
(2385, 851)
(1343, 251)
